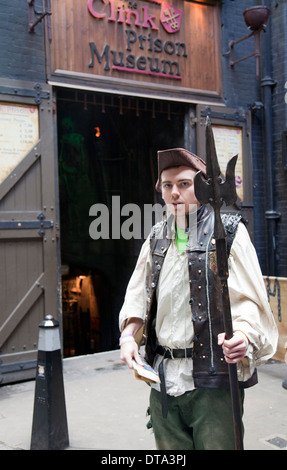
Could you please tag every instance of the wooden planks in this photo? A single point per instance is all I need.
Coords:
(28, 242)
(133, 44)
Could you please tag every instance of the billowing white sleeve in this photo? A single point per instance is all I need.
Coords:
(250, 309)
(135, 298)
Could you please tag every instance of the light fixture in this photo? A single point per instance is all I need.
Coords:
(256, 19)
(97, 131)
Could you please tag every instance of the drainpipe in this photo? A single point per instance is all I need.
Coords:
(267, 84)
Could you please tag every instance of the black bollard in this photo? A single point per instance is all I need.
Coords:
(49, 429)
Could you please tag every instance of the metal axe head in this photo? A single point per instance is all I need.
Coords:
(215, 188)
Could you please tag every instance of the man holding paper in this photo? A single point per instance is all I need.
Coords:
(172, 296)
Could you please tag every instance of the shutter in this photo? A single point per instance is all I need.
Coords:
(29, 260)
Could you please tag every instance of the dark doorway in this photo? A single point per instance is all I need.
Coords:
(107, 147)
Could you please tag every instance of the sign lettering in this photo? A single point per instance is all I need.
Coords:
(170, 20)
(171, 46)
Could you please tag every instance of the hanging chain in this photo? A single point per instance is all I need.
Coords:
(276, 290)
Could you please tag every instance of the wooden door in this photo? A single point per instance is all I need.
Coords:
(29, 280)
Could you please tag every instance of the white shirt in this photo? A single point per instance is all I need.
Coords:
(251, 313)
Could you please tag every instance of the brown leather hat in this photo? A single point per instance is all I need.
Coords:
(177, 157)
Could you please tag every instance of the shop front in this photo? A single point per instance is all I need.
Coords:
(129, 78)
(125, 79)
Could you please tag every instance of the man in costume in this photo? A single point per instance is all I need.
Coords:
(174, 294)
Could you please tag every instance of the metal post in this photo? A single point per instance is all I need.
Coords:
(49, 429)
(271, 215)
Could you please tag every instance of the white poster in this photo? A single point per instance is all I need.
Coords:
(228, 143)
(19, 131)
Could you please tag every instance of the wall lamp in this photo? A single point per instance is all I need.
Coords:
(256, 19)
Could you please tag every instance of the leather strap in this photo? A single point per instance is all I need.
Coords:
(174, 353)
(168, 354)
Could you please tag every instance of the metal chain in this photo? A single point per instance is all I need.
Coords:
(276, 289)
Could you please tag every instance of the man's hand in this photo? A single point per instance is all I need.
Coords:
(129, 351)
(129, 348)
(234, 349)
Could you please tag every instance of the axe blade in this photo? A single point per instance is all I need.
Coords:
(225, 190)
(215, 189)
(228, 187)
(202, 188)
(229, 193)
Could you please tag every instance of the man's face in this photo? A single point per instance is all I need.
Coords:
(178, 190)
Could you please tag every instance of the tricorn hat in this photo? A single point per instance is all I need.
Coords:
(177, 157)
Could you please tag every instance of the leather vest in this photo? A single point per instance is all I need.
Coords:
(210, 369)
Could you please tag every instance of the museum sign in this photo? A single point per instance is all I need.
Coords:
(172, 44)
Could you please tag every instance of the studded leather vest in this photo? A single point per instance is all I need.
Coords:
(209, 367)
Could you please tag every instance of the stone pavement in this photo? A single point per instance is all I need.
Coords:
(106, 408)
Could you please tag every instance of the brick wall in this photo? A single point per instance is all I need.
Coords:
(22, 54)
(241, 89)
(279, 62)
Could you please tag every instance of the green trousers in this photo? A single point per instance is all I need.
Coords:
(198, 420)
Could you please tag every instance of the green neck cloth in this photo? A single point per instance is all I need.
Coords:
(181, 239)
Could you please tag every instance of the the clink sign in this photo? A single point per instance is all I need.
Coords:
(150, 45)
(168, 47)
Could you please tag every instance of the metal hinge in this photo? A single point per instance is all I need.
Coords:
(16, 367)
(37, 93)
(40, 224)
(236, 117)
